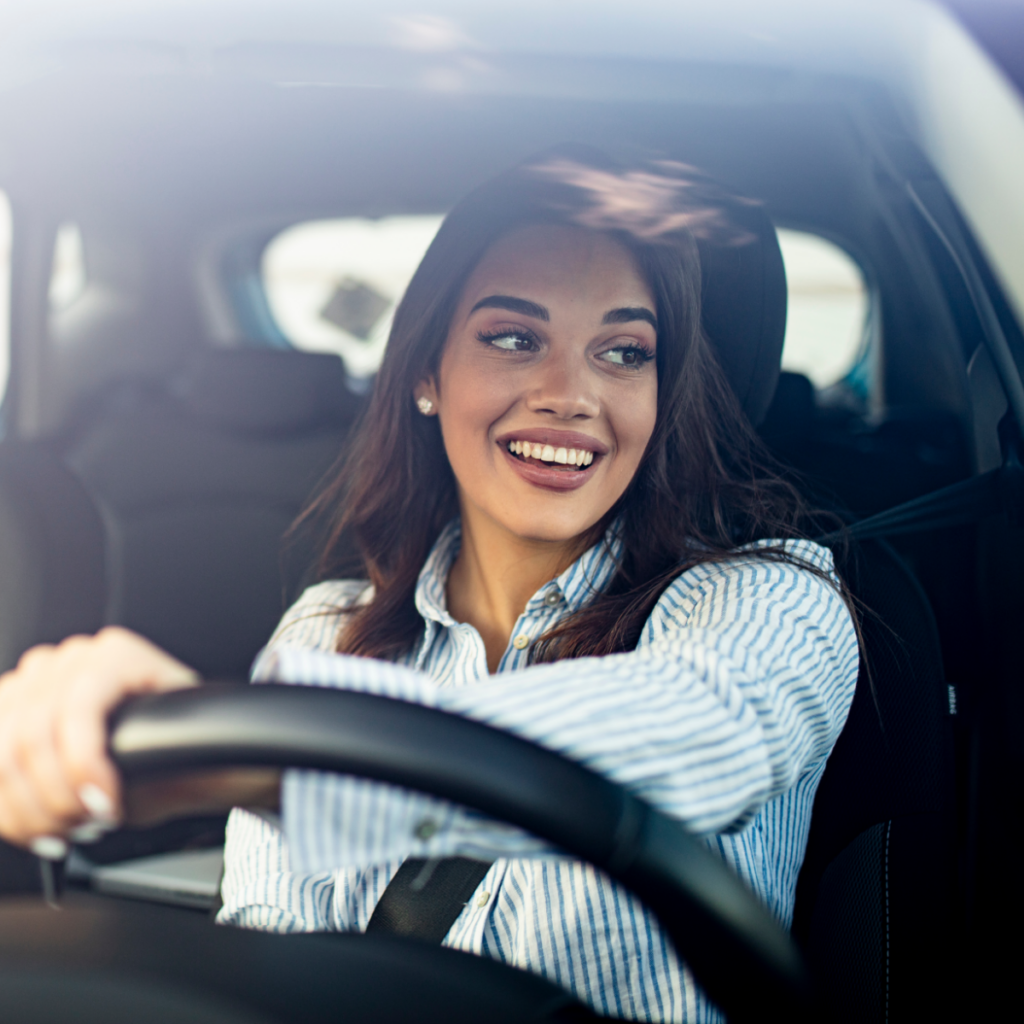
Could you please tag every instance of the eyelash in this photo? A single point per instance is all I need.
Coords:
(644, 353)
(489, 337)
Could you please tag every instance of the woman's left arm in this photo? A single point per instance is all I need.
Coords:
(740, 684)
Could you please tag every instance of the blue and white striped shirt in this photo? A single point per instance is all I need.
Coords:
(723, 717)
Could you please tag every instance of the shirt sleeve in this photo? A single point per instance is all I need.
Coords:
(259, 888)
(741, 684)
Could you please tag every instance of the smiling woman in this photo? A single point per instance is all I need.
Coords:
(557, 466)
(560, 306)
(524, 382)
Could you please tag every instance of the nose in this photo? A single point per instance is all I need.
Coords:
(563, 386)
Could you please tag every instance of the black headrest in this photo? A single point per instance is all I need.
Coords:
(742, 274)
(744, 306)
(265, 390)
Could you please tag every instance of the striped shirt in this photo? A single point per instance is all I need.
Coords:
(722, 717)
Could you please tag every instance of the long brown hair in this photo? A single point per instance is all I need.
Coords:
(704, 486)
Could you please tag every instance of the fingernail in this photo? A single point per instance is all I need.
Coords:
(90, 831)
(96, 802)
(49, 847)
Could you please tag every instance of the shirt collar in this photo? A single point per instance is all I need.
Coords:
(587, 576)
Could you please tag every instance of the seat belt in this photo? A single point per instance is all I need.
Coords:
(999, 490)
(425, 897)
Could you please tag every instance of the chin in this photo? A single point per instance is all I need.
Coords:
(549, 530)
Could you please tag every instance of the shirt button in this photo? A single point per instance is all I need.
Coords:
(521, 642)
(481, 900)
(425, 829)
(553, 598)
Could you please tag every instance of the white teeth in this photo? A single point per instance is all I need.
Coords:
(548, 453)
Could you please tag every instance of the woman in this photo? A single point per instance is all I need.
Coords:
(568, 532)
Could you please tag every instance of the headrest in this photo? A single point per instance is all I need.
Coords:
(742, 273)
(265, 390)
(744, 307)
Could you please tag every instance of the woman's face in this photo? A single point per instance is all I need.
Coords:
(547, 389)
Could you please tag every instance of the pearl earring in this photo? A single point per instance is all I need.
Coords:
(425, 405)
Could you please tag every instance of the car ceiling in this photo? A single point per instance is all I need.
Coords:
(160, 160)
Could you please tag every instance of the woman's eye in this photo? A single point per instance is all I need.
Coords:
(509, 341)
(627, 355)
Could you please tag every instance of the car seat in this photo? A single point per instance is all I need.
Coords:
(876, 891)
(198, 480)
(53, 578)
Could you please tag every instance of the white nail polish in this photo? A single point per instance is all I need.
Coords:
(90, 831)
(96, 802)
(49, 847)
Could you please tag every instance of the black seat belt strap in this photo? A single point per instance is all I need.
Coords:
(425, 897)
(999, 490)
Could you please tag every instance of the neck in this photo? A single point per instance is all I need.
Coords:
(496, 573)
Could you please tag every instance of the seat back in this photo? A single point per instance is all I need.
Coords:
(52, 572)
(878, 881)
(198, 480)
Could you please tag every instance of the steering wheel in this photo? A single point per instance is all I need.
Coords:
(745, 961)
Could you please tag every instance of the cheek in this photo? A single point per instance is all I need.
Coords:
(470, 404)
(635, 420)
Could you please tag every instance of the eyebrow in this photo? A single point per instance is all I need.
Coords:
(513, 305)
(627, 314)
(622, 315)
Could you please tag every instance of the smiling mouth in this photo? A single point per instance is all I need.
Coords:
(567, 459)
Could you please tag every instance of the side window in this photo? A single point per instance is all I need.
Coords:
(5, 292)
(67, 279)
(828, 308)
(333, 285)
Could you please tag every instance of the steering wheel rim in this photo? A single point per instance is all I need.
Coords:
(745, 961)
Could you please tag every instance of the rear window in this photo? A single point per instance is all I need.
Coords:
(333, 285)
(828, 308)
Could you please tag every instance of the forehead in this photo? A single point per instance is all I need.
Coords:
(558, 263)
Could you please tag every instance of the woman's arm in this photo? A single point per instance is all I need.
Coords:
(54, 770)
(740, 685)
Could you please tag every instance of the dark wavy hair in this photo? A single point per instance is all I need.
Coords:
(704, 486)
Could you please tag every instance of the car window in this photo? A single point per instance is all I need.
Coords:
(333, 285)
(67, 278)
(828, 308)
(5, 291)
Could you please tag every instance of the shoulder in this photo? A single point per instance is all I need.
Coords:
(316, 619)
(748, 584)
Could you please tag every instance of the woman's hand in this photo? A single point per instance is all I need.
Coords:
(55, 776)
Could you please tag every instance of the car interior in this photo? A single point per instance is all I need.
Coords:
(161, 434)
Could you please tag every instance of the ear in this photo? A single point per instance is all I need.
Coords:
(426, 389)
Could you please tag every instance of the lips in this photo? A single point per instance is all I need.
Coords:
(546, 476)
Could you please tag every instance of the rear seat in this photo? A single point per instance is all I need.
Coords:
(163, 510)
(197, 481)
